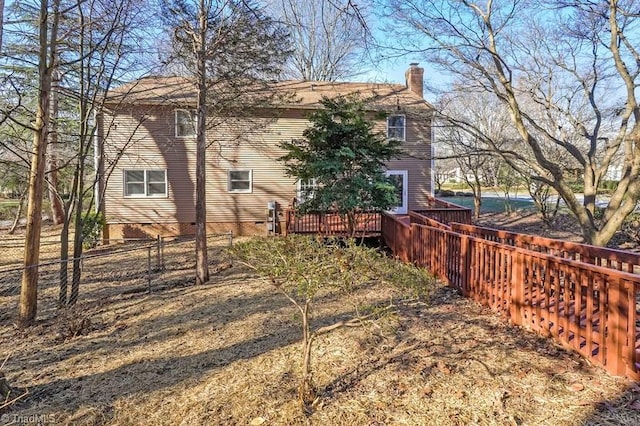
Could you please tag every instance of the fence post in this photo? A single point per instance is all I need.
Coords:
(158, 243)
(465, 264)
(230, 244)
(162, 253)
(516, 300)
(616, 329)
(413, 243)
(149, 268)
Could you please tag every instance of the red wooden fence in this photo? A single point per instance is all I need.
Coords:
(396, 233)
(587, 307)
(602, 256)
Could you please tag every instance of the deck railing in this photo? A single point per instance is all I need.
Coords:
(331, 224)
(436, 213)
(446, 215)
(444, 212)
(587, 307)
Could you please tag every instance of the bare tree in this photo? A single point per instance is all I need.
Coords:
(48, 28)
(573, 62)
(94, 44)
(443, 168)
(100, 47)
(329, 38)
(1, 22)
(232, 48)
(57, 210)
(470, 145)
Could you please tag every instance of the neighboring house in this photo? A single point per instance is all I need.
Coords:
(457, 175)
(148, 127)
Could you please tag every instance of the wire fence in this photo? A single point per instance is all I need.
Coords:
(122, 267)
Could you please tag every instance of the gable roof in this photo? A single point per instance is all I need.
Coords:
(182, 91)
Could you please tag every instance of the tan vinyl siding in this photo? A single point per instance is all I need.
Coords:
(148, 135)
(418, 160)
(156, 147)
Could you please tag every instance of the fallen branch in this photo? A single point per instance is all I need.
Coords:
(5, 360)
(8, 402)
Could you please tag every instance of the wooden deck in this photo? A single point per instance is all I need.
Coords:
(332, 224)
(369, 224)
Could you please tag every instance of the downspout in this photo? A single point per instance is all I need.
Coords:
(432, 149)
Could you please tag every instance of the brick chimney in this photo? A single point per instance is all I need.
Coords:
(414, 79)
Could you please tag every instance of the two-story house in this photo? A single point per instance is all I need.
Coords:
(147, 149)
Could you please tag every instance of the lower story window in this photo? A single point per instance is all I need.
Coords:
(240, 181)
(306, 188)
(145, 183)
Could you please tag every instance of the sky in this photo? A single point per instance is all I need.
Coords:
(389, 70)
(393, 72)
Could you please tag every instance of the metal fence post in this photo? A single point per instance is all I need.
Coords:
(149, 268)
(158, 266)
(162, 253)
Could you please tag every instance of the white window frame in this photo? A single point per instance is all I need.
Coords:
(404, 126)
(300, 196)
(191, 113)
(145, 174)
(239, 191)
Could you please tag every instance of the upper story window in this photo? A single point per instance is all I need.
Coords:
(396, 127)
(240, 181)
(185, 122)
(145, 183)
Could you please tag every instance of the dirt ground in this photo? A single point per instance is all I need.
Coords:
(565, 227)
(228, 353)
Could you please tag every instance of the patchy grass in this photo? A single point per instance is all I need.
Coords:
(228, 353)
(493, 204)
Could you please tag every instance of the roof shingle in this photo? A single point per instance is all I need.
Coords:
(307, 94)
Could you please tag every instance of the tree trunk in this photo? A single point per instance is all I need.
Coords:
(1, 22)
(77, 254)
(202, 262)
(351, 224)
(69, 208)
(78, 189)
(57, 210)
(29, 285)
(64, 263)
(307, 392)
(477, 202)
(16, 219)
